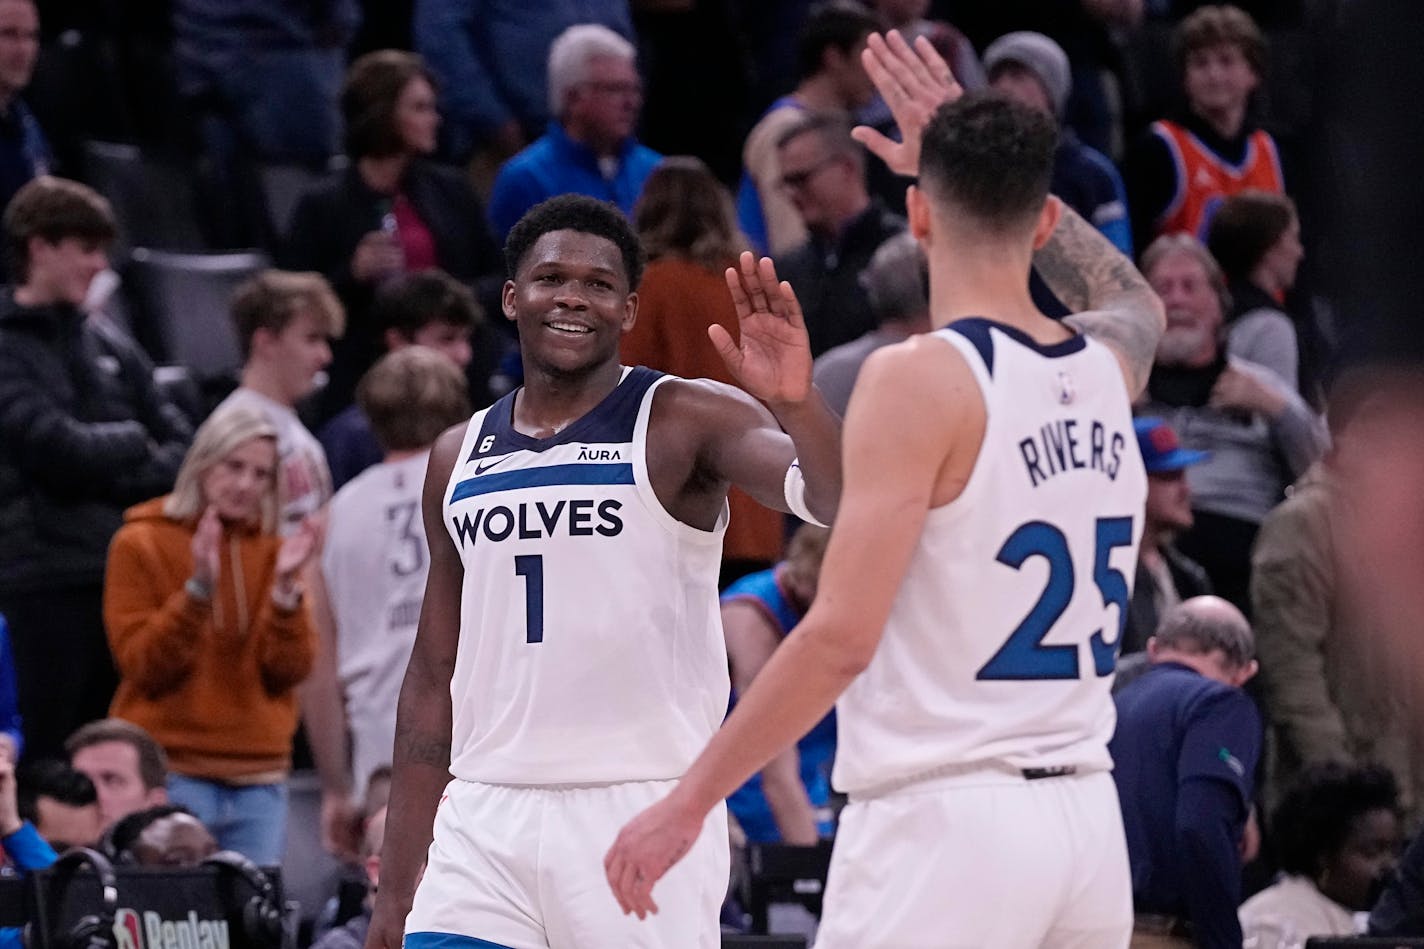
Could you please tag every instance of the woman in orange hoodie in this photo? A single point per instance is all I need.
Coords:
(204, 612)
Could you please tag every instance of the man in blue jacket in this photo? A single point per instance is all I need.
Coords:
(596, 96)
(1184, 756)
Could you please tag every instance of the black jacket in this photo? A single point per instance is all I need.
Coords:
(330, 220)
(84, 433)
(825, 274)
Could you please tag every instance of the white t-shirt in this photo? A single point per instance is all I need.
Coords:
(374, 563)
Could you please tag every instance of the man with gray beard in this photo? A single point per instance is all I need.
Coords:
(1209, 384)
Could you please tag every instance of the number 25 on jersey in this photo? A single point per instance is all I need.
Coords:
(1024, 655)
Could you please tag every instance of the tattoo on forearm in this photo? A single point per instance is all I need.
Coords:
(1112, 301)
(423, 748)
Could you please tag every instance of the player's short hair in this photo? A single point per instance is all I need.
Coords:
(412, 395)
(838, 25)
(373, 87)
(575, 212)
(1184, 243)
(1313, 818)
(413, 301)
(54, 779)
(272, 299)
(53, 209)
(1245, 227)
(152, 762)
(573, 51)
(220, 434)
(685, 211)
(1215, 25)
(1191, 631)
(897, 279)
(991, 158)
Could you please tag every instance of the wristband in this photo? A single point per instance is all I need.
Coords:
(795, 491)
(199, 589)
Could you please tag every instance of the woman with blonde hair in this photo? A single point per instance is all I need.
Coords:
(205, 618)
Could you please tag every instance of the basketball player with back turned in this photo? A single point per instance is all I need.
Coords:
(977, 576)
(569, 662)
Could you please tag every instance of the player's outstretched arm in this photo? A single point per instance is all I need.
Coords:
(1111, 300)
(421, 758)
(891, 482)
(773, 363)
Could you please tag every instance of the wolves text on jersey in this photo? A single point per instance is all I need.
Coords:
(582, 517)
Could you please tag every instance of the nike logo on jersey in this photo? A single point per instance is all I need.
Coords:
(486, 464)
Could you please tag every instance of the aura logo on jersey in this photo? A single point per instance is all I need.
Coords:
(581, 517)
(150, 930)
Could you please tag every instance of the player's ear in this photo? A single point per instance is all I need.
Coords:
(506, 300)
(917, 212)
(1048, 219)
(630, 312)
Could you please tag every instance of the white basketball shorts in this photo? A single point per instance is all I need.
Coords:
(522, 868)
(982, 859)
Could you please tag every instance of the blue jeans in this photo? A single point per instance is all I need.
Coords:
(251, 820)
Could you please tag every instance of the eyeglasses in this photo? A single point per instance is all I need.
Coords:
(633, 90)
(793, 180)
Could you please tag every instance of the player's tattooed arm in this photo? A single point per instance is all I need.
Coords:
(421, 747)
(1111, 300)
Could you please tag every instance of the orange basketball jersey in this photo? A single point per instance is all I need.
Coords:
(1205, 179)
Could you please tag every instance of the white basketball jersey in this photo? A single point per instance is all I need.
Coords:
(374, 563)
(1002, 639)
(590, 638)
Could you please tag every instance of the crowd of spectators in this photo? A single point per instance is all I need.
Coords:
(241, 600)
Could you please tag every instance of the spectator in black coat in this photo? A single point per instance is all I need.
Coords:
(390, 212)
(84, 433)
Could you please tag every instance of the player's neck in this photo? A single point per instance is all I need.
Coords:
(982, 282)
(550, 402)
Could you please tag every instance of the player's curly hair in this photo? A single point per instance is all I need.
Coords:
(991, 158)
(575, 212)
(1314, 818)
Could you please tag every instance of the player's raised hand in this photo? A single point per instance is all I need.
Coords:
(646, 848)
(914, 81)
(773, 360)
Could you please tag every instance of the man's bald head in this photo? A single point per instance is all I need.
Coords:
(1210, 635)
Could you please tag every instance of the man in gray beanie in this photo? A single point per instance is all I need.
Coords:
(1033, 69)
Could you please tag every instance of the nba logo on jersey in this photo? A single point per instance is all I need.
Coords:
(1066, 392)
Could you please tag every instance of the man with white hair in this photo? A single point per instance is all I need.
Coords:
(595, 96)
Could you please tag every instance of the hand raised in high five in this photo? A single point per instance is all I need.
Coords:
(914, 82)
(773, 361)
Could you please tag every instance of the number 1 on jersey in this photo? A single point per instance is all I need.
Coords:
(531, 568)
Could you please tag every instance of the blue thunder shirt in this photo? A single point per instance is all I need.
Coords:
(817, 748)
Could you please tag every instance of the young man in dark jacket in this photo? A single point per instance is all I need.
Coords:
(84, 433)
